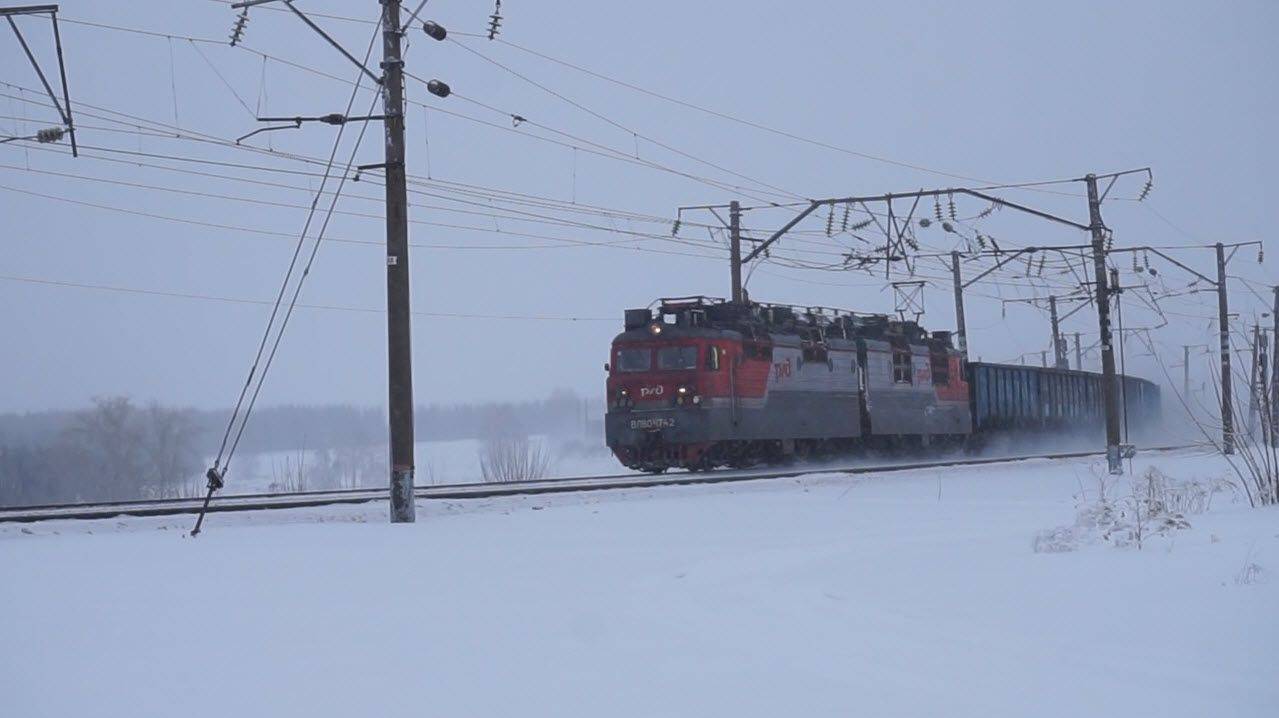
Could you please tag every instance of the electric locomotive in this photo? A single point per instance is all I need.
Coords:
(703, 382)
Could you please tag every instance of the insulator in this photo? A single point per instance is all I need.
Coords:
(830, 221)
(237, 32)
(1135, 267)
(1261, 255)
(50, 134)
(1145, 260)
(924, 222)
(1145, 191)
(495, 20)
(862, 225)
(437, 88)
(993, 243)
(675, 227)
(981, 240)
(843, 224)
(988, 211)
(950, 199)
(434, 30)
(947, 226)
(937, 207)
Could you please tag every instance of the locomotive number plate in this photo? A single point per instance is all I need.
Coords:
(653, 424)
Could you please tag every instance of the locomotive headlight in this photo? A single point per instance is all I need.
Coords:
(682, 390)
(697, 398)
(655, 328)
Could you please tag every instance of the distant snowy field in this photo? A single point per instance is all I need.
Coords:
(911, 593)
(438, 462)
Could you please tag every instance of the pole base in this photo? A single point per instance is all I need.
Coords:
(403, 510)
(1114, 460)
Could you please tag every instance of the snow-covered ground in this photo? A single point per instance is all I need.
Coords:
(912, 593)
(438, 462)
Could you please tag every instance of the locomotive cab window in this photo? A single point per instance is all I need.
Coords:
(677, 358)
(815, 353)
(941, 367)
(902, 373)
(634, 359)
(712, 357)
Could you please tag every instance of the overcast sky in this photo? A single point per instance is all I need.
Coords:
(989, 91)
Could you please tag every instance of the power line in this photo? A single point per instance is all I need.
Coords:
(268, 302)
(608, 153)
(738, 119)
(615, 123)
(214, 473)
(565, 242)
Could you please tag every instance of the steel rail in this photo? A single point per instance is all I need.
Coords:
(256, 502)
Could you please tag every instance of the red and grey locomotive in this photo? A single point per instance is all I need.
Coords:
(702, 383)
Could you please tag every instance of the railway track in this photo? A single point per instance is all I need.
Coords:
(257, 502)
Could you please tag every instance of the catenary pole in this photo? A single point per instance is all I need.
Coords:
(1079, 354)
(1254, 389)
(735, 248)
(1110, 398)
(398, 314)
(1223, 326)
(1185, 371)
(1274, 373)
(961, 329)
(1059, 346)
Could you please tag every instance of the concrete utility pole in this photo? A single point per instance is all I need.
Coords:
(1274, 374)
(1185, 371)
(961, 330)
(1253, 387)
(1223, 326)
(1263, 389)
(1079, 354)
(1059, 345)
(735, 248)
(399, 347)
(1110, 398)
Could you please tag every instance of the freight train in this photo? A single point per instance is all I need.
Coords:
(701, 383)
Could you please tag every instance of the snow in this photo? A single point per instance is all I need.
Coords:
(438, 462)
(913, 593)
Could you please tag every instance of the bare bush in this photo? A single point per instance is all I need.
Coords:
(512, 458)
(289, 477)
(168, 448)
(1154, 505)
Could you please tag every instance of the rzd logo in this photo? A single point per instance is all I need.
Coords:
(650, 391)
(781, 369)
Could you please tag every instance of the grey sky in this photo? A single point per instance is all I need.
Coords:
(1006, 91)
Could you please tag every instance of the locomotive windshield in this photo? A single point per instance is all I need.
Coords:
(634, 359)
(677, 358)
